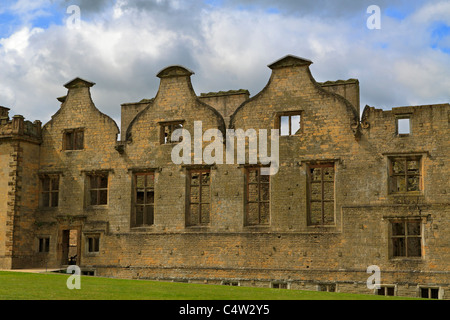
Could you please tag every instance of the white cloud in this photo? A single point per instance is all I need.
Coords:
(124, 48)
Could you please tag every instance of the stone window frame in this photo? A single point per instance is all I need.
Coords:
(231, 283)
(289, 114)
(429, 289)
(76, 143)
(43, 244)
(135, 205)
(327, 287)
(386, 290)
(406, 236)
(92, 241)
(259, 201)
(280, 285)
(320, 164)
(403, 117)
(88, 188)
(200, 203)
(52, 192)
(164, 137)
(391, 174)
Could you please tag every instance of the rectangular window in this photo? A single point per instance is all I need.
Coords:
(406, 238)
(429, 293)
(321, 194)
(405, 174)
(49, 191)
(199, 197)
(44, 244)
(403, 125)
(328, 287)
(73, 139)
(386, 291)
(144, 199)
(93, 243)
(289, 123)
(257, 207)
(279, 285)
(166, 130)
(98, 189)
(230, 283)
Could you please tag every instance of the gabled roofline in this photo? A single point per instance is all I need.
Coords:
(289, 61)
(70, 84)
(174, 71)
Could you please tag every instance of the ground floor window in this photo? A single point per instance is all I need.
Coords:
(429, 293)
(44, 244)
(386, 291)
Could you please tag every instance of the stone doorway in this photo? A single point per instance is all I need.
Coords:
(70, 245)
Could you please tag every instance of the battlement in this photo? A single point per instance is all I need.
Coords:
(18, 127)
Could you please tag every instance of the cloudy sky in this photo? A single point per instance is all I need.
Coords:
(122, 44)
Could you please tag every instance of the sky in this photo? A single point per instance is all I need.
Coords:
(122, 44)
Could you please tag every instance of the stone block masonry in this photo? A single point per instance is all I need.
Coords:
(350, 192)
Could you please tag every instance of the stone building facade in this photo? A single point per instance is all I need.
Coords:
(350, 192)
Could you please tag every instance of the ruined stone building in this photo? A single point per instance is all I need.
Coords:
(351, 191)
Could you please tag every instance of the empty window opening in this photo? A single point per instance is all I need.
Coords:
(327, 287)
(429, 293)
(279, 285)
(73, 139)
(167, 128)
(98, 189)
(144, 199)
(44, 244)
(257, 197)
(321, 194)
(403, 126)
(93, 243)
(199, 198)
(290, 124)
(386, 291)
(406, 238)
(49, 191)
(405, 174)
(230, 283)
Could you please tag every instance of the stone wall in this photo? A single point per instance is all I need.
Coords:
(290, 248)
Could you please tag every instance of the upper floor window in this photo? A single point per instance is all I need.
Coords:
(257, 204)
(98, 189)
(403, 125)
(290, 123)
(73, 139)
(144, 199)
(321, 194)
(405, 174)
(49, 191)
(166, 130)
(199, 197)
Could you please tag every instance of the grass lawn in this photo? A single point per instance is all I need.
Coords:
(52, 286)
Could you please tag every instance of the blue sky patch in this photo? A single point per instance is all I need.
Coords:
(440, 37)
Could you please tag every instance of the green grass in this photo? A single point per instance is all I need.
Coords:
(51, 286)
